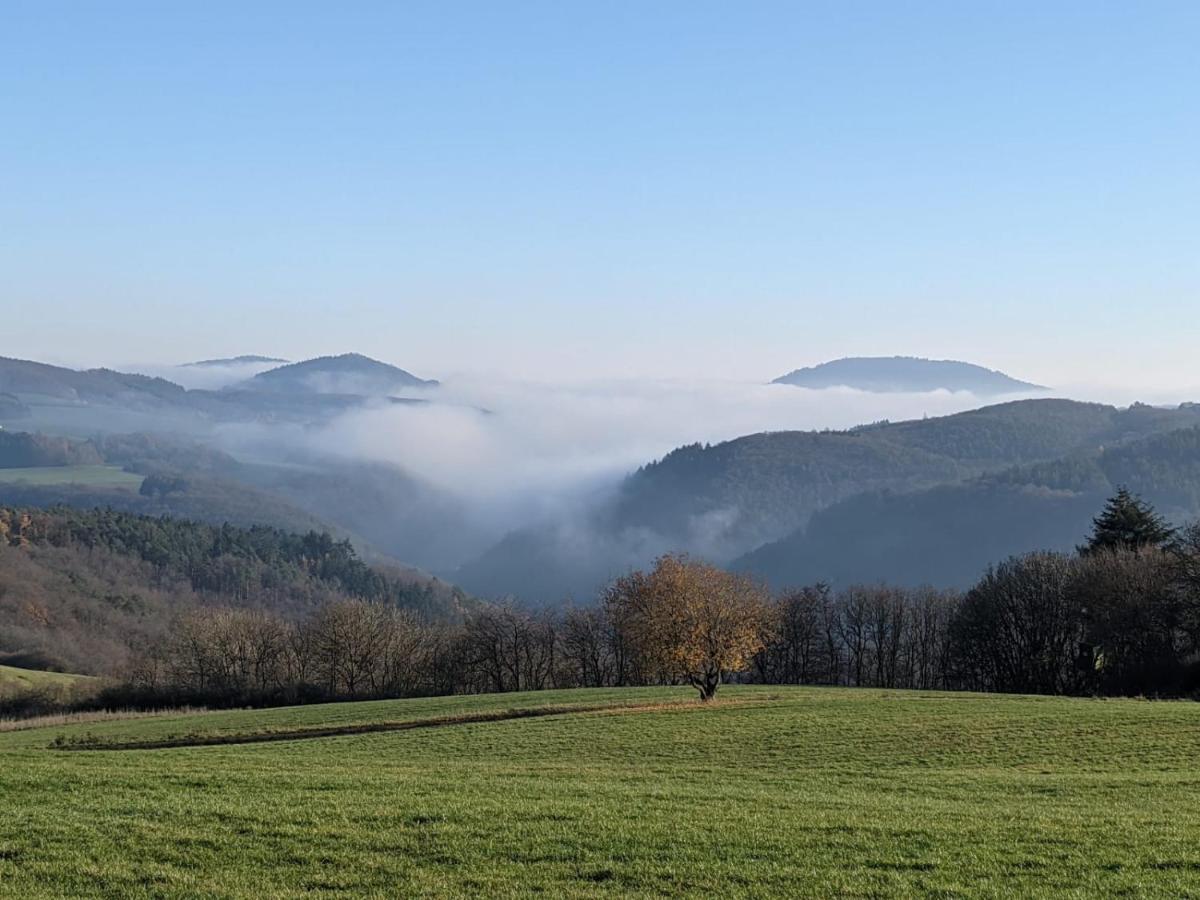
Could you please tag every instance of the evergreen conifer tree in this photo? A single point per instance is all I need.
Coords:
(1127, 523)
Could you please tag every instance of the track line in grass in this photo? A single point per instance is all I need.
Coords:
(297, 734)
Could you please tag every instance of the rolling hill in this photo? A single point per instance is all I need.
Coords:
(350, 373)
(84, 402)
(244, 360)
(765, 792)
(35, 383)
(946, 535)
(14, 678)
(908, 374)
(389, 515)
(726, 500)
(80, 588)
(771, 482)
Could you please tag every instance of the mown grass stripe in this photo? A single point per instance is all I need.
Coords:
(260, 737)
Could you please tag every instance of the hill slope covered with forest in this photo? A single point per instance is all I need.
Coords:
(350, 373)
(725, 500)
(385, 511)
(103, 400)
(945, 535)
(80, 589)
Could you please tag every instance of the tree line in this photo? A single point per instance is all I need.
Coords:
(1119, 617)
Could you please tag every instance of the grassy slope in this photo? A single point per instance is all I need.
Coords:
(794, 791)
(93, 476)
(11, 677)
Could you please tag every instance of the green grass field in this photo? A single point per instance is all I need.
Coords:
(11, 677)
(93, 476)
(767, 792)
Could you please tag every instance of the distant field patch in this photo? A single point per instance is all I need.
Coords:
(93, 476)
(12, 677)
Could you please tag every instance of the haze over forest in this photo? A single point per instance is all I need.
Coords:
(676, 449)
(604, 238)
(838, 308)
(544, 491)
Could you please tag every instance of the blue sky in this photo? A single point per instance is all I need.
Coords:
(665, 189)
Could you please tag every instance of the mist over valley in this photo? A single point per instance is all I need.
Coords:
(545, 491)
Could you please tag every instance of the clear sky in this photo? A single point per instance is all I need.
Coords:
(608, 188)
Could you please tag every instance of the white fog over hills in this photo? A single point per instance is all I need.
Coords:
(543, 490)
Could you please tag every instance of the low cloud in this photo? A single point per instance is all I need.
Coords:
(206, 377)
(507, 455)
(537, 446)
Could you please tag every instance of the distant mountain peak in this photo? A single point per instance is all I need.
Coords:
(351, 373)
(245, 360)
(903, 374)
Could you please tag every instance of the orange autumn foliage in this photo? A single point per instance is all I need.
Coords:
(690, 620)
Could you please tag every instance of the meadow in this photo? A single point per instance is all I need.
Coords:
(812, 792)
(92, 476)
(22, 679)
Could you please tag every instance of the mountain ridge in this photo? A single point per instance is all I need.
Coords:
(332, 374)
(946, 535)
(726, 500)
(65, 396)
(897, 374)
(246, 359)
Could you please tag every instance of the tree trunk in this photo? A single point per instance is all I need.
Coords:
(707, 685)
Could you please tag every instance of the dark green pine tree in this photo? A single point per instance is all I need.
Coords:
(1127, 523)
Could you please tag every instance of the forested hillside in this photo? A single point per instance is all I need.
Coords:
(19, 450)
(977, 473)
(349, 373)
(202, 498)
(79, 590)
(725, 500)
(384, 510)
(946, 534)
(94, 400)
(35, 382)
(768, 484)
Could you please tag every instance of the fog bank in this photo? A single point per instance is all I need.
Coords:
(498, 441)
